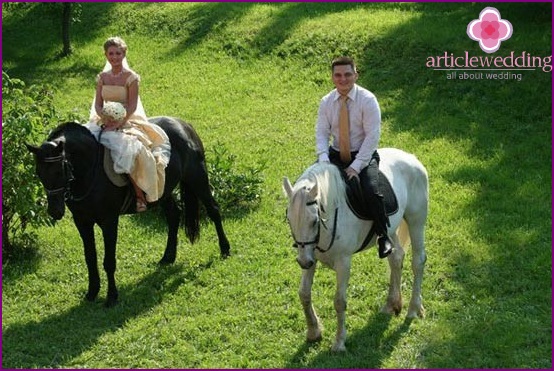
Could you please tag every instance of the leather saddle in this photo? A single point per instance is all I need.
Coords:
(361, 208)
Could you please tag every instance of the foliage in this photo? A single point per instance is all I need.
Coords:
(26, 111)
(233, 189)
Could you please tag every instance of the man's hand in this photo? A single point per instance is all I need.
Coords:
(351, 173)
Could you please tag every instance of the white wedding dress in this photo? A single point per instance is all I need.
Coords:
(139, 148)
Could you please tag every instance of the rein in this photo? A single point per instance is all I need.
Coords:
(334, 232)
(67, 172)
(67, 169)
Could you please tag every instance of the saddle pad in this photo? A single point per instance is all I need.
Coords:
(389, 197)
(119, 180)
(356, 201)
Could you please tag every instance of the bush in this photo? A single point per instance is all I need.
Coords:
(233, 190)
(26, 112)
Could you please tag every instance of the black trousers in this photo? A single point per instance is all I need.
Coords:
(369, 175)
(369, 183)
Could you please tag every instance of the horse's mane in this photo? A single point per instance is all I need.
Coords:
(71, 128)
(331, 187)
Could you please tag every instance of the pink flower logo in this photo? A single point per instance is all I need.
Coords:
(490, 30)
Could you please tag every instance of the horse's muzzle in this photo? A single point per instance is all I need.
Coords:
(305, 264)
(56, 209)
(56, 215)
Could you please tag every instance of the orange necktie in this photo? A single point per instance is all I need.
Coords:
(344, 131)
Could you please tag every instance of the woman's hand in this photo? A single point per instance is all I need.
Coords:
(110, 124)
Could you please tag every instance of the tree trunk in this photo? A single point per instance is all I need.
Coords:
(6, 245)
(66, 22)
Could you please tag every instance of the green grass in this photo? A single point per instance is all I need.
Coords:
(250, 76)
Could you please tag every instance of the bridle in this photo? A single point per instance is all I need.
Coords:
(67, 171)
(315, 240)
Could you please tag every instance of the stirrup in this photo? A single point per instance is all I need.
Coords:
(385, 246)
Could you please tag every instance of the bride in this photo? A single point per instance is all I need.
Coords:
(138, 148)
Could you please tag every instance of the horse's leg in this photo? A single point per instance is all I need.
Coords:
(342, 268)
(109, 232)
(201, 187)
(393, 304)
(305, 294)
(172, 217)
(86, 231)
(417, 235)
(213, 212)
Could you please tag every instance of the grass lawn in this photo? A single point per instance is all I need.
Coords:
(249, 77)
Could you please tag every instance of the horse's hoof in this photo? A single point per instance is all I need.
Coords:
(167, 260)
(338, 348)
(110, 303)
(414, 313)
(93, 290)
(314, 334)
(392, 308)
(314, 339)
(90, 297)
(225, 250)
(111, 299)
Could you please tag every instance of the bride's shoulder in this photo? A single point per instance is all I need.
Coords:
(132, 77)
(101, 77)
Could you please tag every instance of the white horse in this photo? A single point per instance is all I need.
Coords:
(325, 229)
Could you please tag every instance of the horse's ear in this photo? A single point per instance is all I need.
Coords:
(32, 149)
(287, 187)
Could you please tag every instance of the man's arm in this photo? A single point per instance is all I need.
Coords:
(371, 122)
(322, 133)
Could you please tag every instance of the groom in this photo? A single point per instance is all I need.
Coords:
(351, 116)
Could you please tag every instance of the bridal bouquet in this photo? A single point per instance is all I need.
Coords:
(114, 110)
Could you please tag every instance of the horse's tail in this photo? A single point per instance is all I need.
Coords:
(191, 205)
(404, 234)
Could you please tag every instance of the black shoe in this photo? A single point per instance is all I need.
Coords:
(385, 246)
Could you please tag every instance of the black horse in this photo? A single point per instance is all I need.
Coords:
(70, 166)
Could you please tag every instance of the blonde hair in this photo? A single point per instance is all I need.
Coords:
(117, 42)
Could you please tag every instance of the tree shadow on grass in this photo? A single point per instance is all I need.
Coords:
(288, 16)
(56, 340)
(206, 18)
(210, 17)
